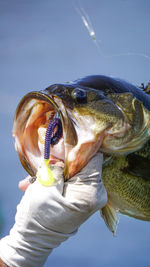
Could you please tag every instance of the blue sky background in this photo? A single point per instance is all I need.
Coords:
(43, 42)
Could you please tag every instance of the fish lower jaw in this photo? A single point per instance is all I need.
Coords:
(79, 155)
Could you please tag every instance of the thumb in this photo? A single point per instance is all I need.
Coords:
(23, 184)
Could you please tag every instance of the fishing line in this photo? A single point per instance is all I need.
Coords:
(88, 24)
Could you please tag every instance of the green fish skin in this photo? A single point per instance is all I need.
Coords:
(98, 113)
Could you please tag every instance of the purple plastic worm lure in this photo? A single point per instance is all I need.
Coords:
(50, 137)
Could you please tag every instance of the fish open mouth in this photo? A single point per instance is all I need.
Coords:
(97, 125)
(33, 115)
(72, 150)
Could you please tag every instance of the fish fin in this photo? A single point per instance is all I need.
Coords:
(146, 88)
(110, 216)
(138, 166)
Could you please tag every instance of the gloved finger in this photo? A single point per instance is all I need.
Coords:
(86, 189)
(23, 184)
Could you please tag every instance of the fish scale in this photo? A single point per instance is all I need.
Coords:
(97, 113)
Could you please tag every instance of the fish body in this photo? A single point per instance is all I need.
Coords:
(98, 113)
(127, 182)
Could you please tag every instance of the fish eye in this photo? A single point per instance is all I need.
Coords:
(79, 95)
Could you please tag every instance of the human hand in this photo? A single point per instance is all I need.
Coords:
(47, 216)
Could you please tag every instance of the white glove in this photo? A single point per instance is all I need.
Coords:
(47, 216)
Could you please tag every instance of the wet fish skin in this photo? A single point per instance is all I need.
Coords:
(128, 186)
(121, 115)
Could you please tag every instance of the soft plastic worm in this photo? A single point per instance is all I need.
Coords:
(50, 138)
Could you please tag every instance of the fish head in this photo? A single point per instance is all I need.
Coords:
(93, 120)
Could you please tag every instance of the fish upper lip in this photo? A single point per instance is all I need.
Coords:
(39, 95)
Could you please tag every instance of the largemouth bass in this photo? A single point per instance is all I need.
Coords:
(98, 113)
